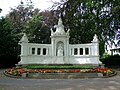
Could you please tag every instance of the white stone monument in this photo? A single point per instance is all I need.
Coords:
(59, 51)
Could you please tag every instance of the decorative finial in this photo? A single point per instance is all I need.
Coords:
(24, 39)
(59, 27)
(51, 31)
(60, 21)
(68, 31)
(95, 38)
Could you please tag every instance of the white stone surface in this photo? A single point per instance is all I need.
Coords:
(59, 27)
(59, 51)
(24, 39)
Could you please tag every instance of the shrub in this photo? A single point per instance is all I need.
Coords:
(57, 67)
(111, 60)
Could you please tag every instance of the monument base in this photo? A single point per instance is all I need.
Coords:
(60, 60)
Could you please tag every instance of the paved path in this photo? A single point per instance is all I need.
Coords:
(112, 83)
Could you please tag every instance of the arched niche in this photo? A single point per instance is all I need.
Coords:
(60, 49)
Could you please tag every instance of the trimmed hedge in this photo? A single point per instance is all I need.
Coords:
(57, 67)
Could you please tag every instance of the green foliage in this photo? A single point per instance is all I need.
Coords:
(37, 31)
(8, 44)
(23, 18)
(87, 17)
(49, 18)
(27, 19)
(19, 17)
(105, 56)
(111, 60)
(57, 67)
(101, 48)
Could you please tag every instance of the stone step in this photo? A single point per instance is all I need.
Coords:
(63, 75)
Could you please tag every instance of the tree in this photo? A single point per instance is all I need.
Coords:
(37, 30)
(8, 44)
(20, 15)
(19, 20)
(87, 17)
(26, 18)
(49, 17)
(90, 16)
(78, 22)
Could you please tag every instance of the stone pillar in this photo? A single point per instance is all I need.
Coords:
(67, 46)
(41, 52)
(47, 51)
(83, 51)
(24, 49)
(89, 50)
(53, 46)
(24, 45)
(78, 53)
(73, 51)
(35, 51)
(95, 48)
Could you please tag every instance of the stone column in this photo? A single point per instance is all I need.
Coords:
(35, 51)
(47, 51)
(41, 52)
(24, 45)
(24, 49)
(83, 51)
(73, 51)
(78, 51)
(95, 43)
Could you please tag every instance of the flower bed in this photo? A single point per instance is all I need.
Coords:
(18, 72)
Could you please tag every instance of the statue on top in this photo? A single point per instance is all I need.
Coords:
(59, 27)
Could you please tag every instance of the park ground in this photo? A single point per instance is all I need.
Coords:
(111, 83)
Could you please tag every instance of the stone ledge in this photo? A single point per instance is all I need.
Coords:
(60, 75)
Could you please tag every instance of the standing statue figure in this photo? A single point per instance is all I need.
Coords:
(60, 50)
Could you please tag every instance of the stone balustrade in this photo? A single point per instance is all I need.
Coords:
(59, 51)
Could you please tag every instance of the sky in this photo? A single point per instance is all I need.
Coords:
(6, 5)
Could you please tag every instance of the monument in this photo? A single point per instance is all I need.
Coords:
(59, 51)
